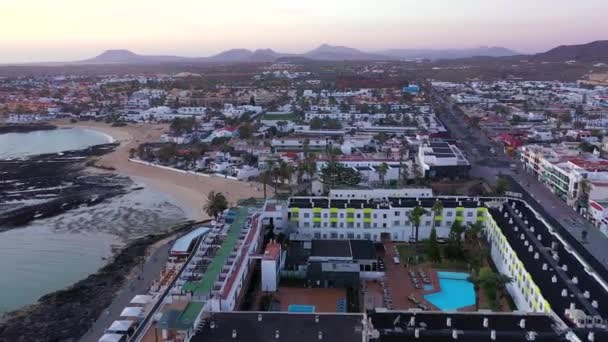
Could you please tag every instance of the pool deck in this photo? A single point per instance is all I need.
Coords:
(400, 285)
(324, 300)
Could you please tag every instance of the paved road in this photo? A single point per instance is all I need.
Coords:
(147, 274)
(476, 145)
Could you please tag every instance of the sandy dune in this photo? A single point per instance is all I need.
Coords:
(188, 190)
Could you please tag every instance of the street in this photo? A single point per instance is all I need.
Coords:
(474, 142)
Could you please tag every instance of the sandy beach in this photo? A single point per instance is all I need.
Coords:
(189, 190)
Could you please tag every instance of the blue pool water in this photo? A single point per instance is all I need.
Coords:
(456, 291)
(300, 308)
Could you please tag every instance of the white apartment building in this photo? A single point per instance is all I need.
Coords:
(562, 168)
(375, 218)
(233, 111)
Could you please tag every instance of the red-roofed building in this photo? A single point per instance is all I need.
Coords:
(271, 267)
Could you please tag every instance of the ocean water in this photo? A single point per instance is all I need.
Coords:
(18, 145)
(36, 260)
(53, 253)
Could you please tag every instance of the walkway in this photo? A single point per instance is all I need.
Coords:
(147, 274)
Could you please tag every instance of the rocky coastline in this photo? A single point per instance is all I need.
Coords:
(26, 128)
(50, 184)
(67, 314)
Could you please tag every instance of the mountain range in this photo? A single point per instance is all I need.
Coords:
(324, 52)
(595, 51)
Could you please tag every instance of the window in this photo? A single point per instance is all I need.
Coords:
(383, 215)
(396, 223)
(358, 215)
(470, 214)
(427, 223)
(449, 214)
(341, 215)
(397, 213)
(306, 215)
(317, 235)
(375, 216)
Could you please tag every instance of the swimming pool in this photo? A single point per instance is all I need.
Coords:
(456, 291)
(300, 308)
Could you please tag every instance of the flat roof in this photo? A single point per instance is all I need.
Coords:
(133, 311)
(331, 248)
(292, 327)
(181, 245)
(141, 299)
(122, 325)
(548, 248)
(363, 249)
(394, 326)
(111, 337)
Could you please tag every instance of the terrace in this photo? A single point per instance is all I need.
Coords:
(220, 258)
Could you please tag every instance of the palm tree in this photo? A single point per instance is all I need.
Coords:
(285, 172)
(472, 232)
(216, 203)
(382, 169)
(266, 178)
(415, 217)
(310, 166)
(583, 197)
(305, 146)
(402, 165)
(491, 283)
(437, 210)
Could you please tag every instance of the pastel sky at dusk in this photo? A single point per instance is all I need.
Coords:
(58, 30)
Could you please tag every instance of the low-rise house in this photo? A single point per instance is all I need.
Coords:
(243, 172)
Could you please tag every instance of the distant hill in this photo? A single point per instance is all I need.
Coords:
(129, 57)
(591, 52)
(340, 53)
(485, 51)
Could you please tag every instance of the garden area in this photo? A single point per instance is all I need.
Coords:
(464, 250)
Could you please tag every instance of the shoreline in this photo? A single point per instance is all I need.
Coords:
(84, 301)
(188, 190)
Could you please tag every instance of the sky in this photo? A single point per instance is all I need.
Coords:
(65, 30)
